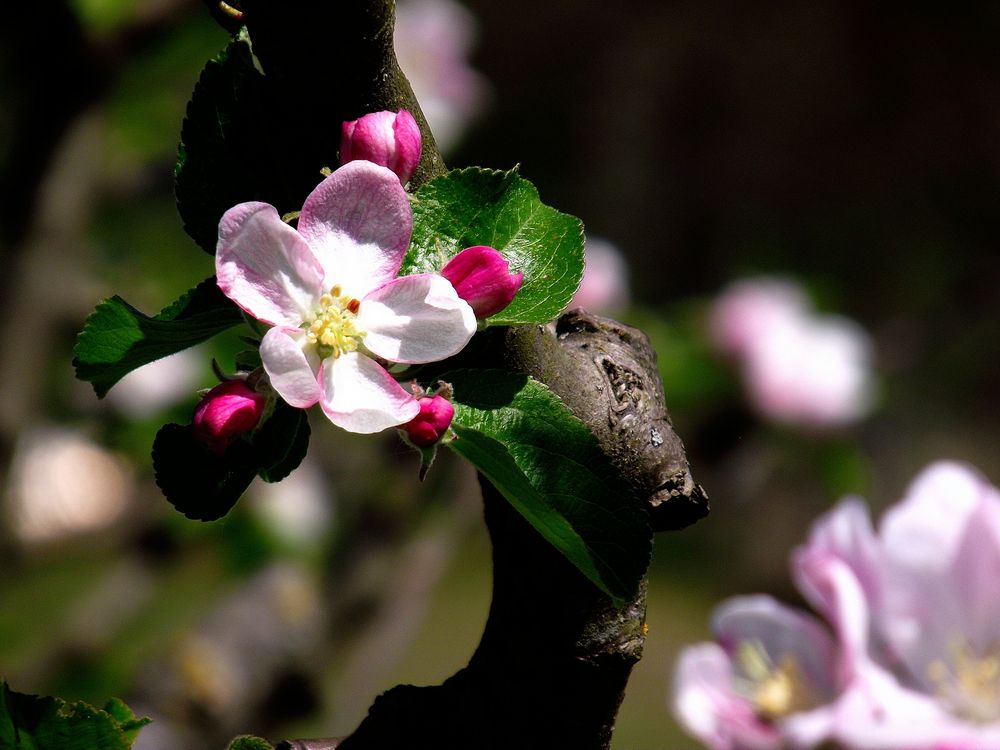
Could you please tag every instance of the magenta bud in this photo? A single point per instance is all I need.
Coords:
(389, 139)
(226, 412)
(431, 423)
(482, 278)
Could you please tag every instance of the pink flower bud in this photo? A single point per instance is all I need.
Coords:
(389, 139)
(227, 411)
(431, 423)
(482, 278)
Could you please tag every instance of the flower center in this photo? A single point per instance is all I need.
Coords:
(333, 330)
(775, 690)
(969, 682)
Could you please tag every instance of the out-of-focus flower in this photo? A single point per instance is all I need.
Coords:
(482, 277)
(62, 483)
(433, 421)
(931, 609)
(151, 388)
(299, 509)
(433, 39)
(604, 288)
(799, 367)
(747, 310)
(915, 662)
(389, 139)
(227, 411)
(330, 291)
(770, 665)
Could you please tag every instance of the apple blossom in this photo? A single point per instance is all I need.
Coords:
(482, 278)
(770, 665)
(330, 291)
(604, 287)
(389, 139)
(929, 578)
(432, 40)
(227, 411)
(798, 367)
(433, 421)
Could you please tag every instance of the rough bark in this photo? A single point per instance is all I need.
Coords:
(552, 665)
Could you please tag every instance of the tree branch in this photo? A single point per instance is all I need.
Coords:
(552, 665)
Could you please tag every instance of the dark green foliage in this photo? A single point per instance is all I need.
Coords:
(475, 206)
(204, 485)
(117, 338)
(549, 467)
(32, 722)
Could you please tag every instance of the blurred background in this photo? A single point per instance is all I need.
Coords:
(845, 153)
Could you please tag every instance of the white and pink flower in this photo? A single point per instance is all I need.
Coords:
(799, 367)
(931, 605)
(330, 291)
(915, 611)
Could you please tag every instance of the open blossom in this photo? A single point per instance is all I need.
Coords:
(770, 665)
(389, 139)
(482, 278)
(798, 367)
(227, 411)
(330, 291)
(931, 605)
(914, 609)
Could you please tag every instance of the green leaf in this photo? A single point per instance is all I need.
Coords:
(249, 742)
(117, 338)
(549, 467)
(31, 722)
(486, 207)
(241, 141)
(204, 485)
(282, 442)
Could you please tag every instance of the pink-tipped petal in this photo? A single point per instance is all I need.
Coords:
(416, 319)
(706, 705)
(408, 144)
(265, 266)
(360, 396)
(358, 223)
(292, 372)
(390, 139)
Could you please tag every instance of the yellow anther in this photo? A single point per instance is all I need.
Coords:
(776, 690)
(970, 684)
(333, 330)
(335, 290)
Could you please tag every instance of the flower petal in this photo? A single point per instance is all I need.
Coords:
(358, 222)
(265, 266)
(360, 396)
(782, 632)
(706, 705)
(291, 368)
(416, 319)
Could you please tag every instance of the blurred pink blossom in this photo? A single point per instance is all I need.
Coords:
(932, 607)
(433, 39)
(799, 367)
(914, 661)
(605, 287)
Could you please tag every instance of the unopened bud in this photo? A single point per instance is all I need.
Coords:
(226, 412)
(389, 139)
(482, 278)
(430, 425)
